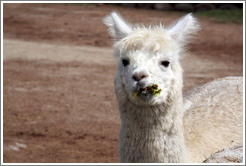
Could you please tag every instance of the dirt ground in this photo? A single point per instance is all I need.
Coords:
(58, 94)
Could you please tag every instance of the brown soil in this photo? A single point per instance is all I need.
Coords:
(58, 95)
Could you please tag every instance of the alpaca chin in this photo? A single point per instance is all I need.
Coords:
(149, 100)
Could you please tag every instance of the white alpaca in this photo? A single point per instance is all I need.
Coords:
(152, 127)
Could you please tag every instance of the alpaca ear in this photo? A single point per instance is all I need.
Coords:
(184, 28)
(118, 28)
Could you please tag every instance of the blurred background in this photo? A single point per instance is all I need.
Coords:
(59, 104)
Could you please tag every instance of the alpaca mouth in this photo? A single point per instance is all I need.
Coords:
(150, 90)
(144, 91)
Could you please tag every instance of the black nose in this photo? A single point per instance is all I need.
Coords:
(139, 76)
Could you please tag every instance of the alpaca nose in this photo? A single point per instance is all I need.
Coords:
(137, 76)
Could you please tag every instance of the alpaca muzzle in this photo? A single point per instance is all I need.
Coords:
(153, 89)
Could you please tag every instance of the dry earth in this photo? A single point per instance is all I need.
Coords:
(58, 70)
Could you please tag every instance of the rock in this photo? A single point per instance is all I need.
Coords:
(128, 4)
(227, 6)
(229, 155)
(204, 7)
(163, 6)
(185, 7)
(145, 5)
(239, 5)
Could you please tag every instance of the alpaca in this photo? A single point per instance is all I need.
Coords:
(168, 127)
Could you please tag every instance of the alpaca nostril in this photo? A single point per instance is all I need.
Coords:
(134, 78)
(143, 76)
(139, 76)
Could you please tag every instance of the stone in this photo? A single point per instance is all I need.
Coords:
(185, 7)
(227, 6)
(229, 155)
(163, 6)
(145, 5)
(128, 4)
(201, 7)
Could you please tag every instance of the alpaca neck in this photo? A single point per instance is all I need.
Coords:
(152, 133)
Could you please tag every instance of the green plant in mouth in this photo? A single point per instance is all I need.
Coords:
(153, 88)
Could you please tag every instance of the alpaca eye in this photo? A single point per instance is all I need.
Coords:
(125, 62)
(165, 63)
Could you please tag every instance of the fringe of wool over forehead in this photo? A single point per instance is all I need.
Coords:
(151, 39)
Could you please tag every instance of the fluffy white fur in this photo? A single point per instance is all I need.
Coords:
(152, 127)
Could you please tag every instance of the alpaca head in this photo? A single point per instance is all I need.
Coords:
(148, 56)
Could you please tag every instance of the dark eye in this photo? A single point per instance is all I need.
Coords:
(125, 62)
(165, 63)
